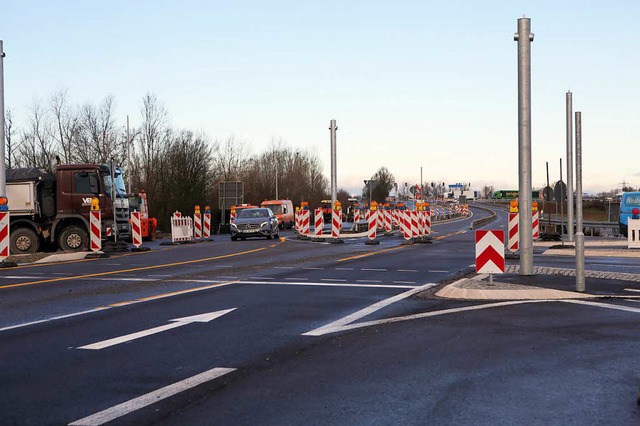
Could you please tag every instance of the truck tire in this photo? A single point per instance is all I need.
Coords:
(73, 238)
(24, 241)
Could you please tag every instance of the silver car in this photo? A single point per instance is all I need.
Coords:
(254, 222)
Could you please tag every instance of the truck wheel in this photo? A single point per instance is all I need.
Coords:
(24, 240)
(73, 238)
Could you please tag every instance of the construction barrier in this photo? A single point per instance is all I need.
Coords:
(514, 234)
(356, 216)
(414, 224)
(296, 219)
(427, 222)
(206, 229)
(380, 221)
(406, 224)
(197, 225)
(305, 222)
(388, 226)
(372, 221)
(136, 229)
(490, 252)
(336, 222)
(181, 228)
(4, 235)
(95, 223)
(535, 224)
(633, 233)
(319, 222)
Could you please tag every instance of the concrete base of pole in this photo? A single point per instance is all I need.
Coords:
(8, 264)
(580, 283)
(372, 242)
(336, 241)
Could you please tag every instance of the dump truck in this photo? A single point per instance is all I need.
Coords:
(54, 208)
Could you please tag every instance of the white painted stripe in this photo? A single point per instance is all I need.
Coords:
(333, 279)
(145, 400)
(283, 267)
(436, 271)
(312, 284)
(374, 269)
(260, 278)
(334, 329)
(14, 277)
(368, 281)
(632, 289)
(313, 269)
(338, 324)
(159, 276)
(404, 282)
(344, 269)
(632, 300)
(25, 324)
(113, 264)
(133, 336)
(604, 305)
(407, 270)
(297, 278)
(120, 279)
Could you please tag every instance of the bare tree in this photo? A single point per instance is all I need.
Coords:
(9, 133)
(100, 139)
(66, 127)
(36, 148)
(230, 158)
(383, 183)
(487, 191)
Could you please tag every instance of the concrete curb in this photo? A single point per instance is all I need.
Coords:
(456, 291)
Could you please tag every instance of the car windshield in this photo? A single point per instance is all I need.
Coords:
(253, 213)
(119, 187)
(275, 208)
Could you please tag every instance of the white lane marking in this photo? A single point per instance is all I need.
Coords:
(227, 278)
(632, 300)
(173, 323)
(333, 279)
(604, 305)
(296, 278)
(436, 271)
(127, 407)
(632, 289)
(368, 281)
(404, 282)
(313, 269)
(260, 278)
(120, 279)
(312, 284)
(283, 267)
(344, 269)
(374, 269)
(407, 270)
(159, 276)
(340, 323)
(14, 277)
(11, 327)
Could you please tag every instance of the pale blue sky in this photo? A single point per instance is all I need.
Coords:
(410, 83)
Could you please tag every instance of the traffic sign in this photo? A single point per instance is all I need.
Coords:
(490, 251)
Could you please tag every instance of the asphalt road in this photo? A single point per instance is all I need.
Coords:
(302, 332)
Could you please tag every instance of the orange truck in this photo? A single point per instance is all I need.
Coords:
(148, 225)
(283, 209)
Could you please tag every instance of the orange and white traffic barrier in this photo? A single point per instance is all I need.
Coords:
(356, 216)
(421, 222)
(414, 224)
(296, 221)
(372, 221)
(4, 233)
(514, 234)
(181, 228)
(197, 223)
(336, 222)
(394, 217)
(535, 224)
(380, 221)
(318, 222)
(95, 225)
(206, 229)
(406, 224)
(388, 226)
(427, 222)
(305, 222)
(136, 229)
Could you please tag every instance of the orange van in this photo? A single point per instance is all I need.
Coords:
(283, 209)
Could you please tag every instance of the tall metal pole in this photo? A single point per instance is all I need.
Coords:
(570, 166)
(561, 203)
(3, 174)
(580, 285)
(277, 180)
(524, 37)
(129, 168)
(334, 178)
(421, 187)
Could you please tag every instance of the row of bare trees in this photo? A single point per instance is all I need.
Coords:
(177, 168)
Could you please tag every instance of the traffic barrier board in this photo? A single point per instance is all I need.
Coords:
(490, 251)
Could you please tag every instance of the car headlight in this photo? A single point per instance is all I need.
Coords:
(263, 224)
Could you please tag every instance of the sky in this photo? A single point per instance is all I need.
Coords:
(412, 84)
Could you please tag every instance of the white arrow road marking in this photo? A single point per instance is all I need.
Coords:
(145, 400)
(175, 323)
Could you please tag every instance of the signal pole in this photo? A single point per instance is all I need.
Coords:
(524, 37)
(3, 174)
(334, 176)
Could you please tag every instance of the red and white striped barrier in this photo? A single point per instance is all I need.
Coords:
(406, 224)
(514, 234)
(414, 224)
(372, 221)
(535, 224)
(95, 223)
(206, 229)
(319, 222)
(181, 228)
(336, 222)
(136, 229)
(109, 231)
(388, 226)
(422, 214)
(4, 235)
(197, 226)
(296, 221)
(380, 220)
(490, 251)
(305, 222)
(356, 216)
(232, 216)
(427, 222)
(396, 221)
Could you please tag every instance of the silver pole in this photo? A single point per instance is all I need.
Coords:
(580, 285)
(524, 37)
(421, 188)
(561, 203)
(570, 166)
(277, 180)
(129, 168)
(112, 166)
(334, 179)
(3, 174)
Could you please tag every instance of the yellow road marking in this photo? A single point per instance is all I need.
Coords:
(360, 256)
(142, 268)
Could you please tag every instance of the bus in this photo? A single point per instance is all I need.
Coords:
(629, 202)
(510, 194)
